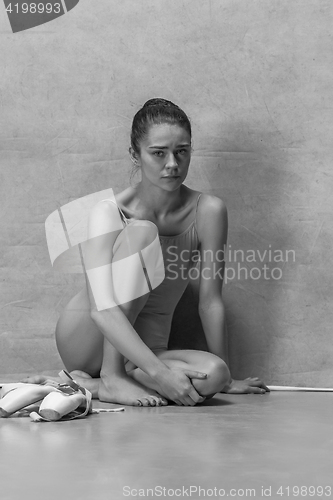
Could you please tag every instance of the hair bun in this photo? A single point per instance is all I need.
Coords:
(156, 111)
(158, 101)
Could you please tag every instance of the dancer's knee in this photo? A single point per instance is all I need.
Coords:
(218, 376)
(145, 232)
(138, 235)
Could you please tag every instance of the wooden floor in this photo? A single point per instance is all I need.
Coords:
(232, 443)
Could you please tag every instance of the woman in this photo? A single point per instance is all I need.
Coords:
(119, 349)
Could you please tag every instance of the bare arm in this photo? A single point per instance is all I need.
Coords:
(213, 230)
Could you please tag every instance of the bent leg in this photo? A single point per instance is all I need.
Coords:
(216, 369)
(83, 347)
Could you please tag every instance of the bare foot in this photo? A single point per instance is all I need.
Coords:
(126, 391)
(86, 381)
(121, 390)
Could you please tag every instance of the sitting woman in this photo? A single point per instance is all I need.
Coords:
(113, 335)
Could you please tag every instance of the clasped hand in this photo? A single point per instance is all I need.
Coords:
(177, 386)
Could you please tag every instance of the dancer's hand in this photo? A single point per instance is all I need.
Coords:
(176, 385)
(247, 386)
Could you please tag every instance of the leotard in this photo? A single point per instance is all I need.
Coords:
(180, 254)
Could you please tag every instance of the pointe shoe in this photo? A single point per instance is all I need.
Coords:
(58, 404)
(67, 398)
(16, 398)
(9, 386)
(70, 399)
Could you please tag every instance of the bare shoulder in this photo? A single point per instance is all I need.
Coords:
(211, 206)
(103, 208)
(212, 221)
(126, 201)
(108, 207)
(104, 218)
(125, 197)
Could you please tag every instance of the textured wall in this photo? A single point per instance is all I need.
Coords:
(255, 77)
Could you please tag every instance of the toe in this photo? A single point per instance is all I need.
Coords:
(145, 401)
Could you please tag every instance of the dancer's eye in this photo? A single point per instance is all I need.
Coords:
(182, 152)
(158, 153)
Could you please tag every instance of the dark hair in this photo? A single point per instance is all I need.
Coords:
(155, 112)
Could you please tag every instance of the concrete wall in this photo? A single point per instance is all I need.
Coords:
(255, 76)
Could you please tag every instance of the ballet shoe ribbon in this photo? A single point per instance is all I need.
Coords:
(69, 387)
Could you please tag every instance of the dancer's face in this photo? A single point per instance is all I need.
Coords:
(165, 155)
